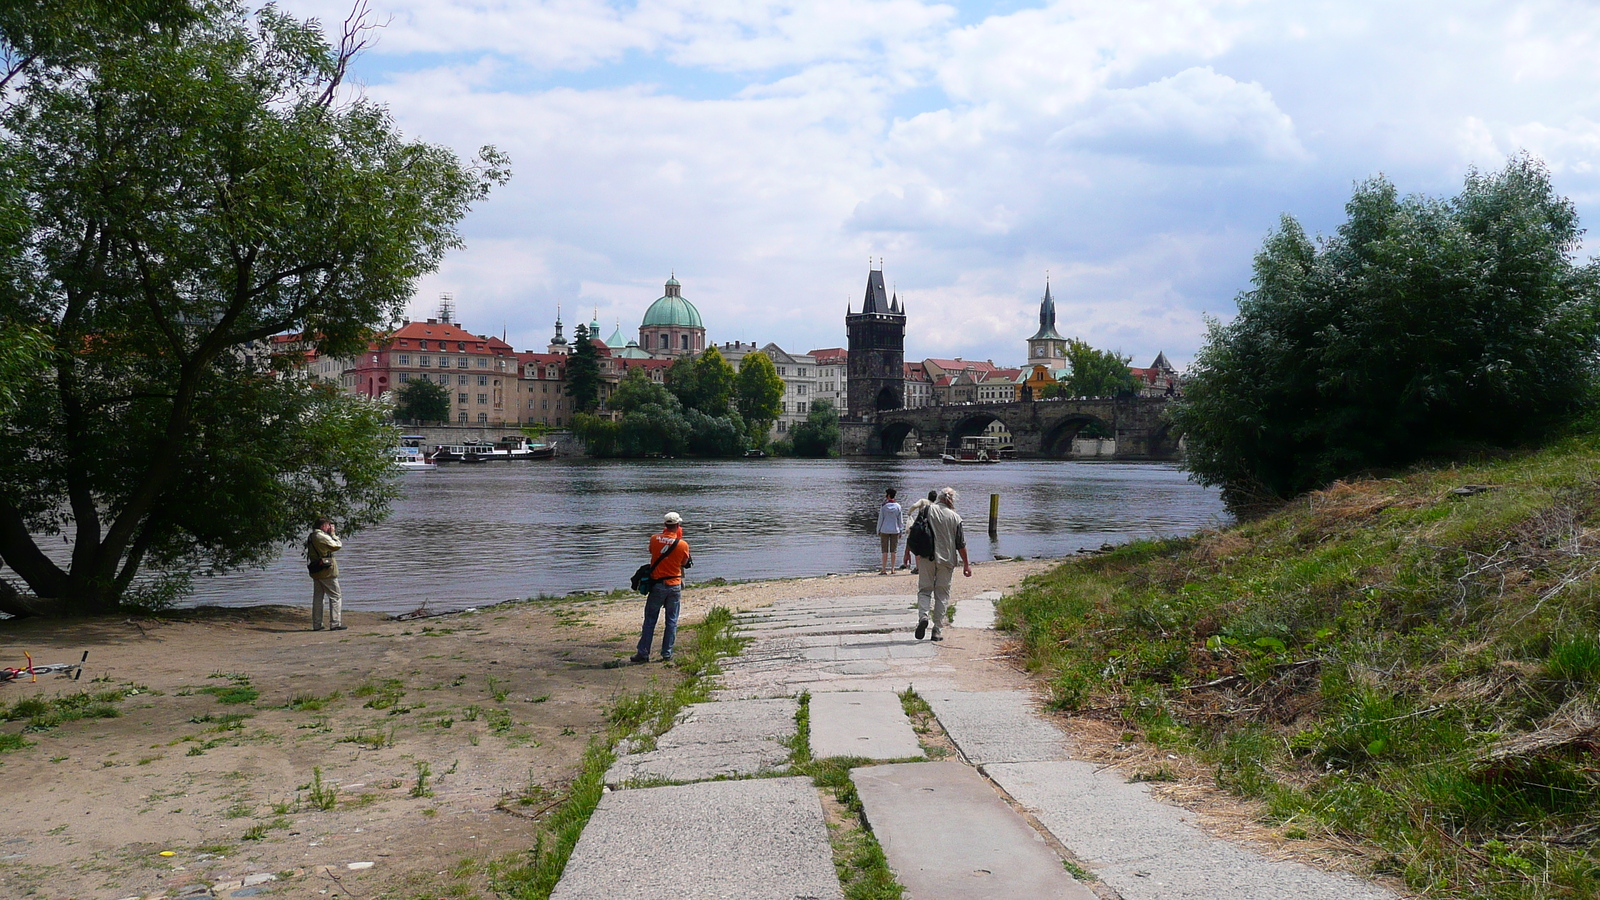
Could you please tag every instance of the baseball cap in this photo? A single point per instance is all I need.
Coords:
(672, 519)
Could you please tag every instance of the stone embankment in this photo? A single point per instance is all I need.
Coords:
(708, 812)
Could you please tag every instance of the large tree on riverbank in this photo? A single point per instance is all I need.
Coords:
(175, 195)
(1423, 326)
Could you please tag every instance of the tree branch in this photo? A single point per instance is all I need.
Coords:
(351, 42)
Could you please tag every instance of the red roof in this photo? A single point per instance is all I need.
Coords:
(916, 372)
(451, 335)
(1002, 374)
(830, 356)
(1148, 375)
(956, 365)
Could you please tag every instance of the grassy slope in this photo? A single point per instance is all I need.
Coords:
(1386, 660)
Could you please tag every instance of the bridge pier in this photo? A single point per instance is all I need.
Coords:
(1039, 428)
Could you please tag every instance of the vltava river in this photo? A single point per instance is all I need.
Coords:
(470, 535)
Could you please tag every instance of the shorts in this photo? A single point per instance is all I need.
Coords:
(889, 542)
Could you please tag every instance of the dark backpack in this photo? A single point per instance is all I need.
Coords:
(919, 540)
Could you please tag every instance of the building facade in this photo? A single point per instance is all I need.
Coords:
(833, 377)
(798, 371)
(478, 372)
(877, 350)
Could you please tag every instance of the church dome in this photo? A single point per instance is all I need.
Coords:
(672, 310)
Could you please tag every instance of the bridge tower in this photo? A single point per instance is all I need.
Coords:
(877, 334)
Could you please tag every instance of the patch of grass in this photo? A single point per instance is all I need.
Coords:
(533, 875)
(1388, 661)
(384, 695)
(497, 690)
(377, 739)
(237, 690)
(43, 714)
(311, 702)
(9, 742)
(321, 795)
(420, 789)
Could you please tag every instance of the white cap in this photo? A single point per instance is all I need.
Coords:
(672, 519)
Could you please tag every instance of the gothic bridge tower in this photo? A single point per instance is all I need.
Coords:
(877, 350)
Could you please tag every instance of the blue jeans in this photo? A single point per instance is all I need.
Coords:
(667, 595)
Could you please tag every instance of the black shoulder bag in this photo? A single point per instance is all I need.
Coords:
(644, 577)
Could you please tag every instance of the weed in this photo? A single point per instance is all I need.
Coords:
(322, 796)
(10, 741)
(420, 789)
(383, 696)
(496, 689)
(238, 690)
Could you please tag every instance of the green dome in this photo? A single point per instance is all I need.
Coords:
(672, 309)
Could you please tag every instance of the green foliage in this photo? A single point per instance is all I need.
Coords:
(655, 422)
(174, 197)
(760, 394)
(1422, 327)
(1386, 662)
(705, 382)
(818, 435)
(583, 372)
(1094, 373)
(421, 400)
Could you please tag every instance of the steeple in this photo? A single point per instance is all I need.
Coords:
(877, 300)
(1047, 318)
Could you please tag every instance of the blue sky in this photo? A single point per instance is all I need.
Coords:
(1138, 151)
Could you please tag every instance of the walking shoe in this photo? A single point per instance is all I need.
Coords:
(316, 628)
(666, 657)
(336, 627)
(922, 628)
(938, 635)
(636, 658)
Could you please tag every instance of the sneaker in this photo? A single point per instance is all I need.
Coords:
(636, 658)
(666, 657)
(922, 628)
(316, 628)
(938, 635)
(336, 628)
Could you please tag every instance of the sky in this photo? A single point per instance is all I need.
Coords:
(1136, 151)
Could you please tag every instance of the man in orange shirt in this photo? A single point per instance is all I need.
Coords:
(670, 553)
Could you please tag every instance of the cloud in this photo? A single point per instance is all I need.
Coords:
(1139, 151)
(1196, 117)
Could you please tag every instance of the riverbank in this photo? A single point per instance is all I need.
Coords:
(245, 745)
(1408, 666)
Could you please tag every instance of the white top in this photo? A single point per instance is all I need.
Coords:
(891, 519)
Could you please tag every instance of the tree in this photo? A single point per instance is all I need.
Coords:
(683, 380)
(637, 390)
(1422, 327)
(1096, 373)
(716, 383)
(420, 400)
(818, 435)
(174, 197)
(760, 394)
(583, 372)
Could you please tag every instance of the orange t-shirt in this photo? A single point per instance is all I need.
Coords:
(670, 569)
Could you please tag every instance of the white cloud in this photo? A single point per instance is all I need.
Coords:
(1138, 150)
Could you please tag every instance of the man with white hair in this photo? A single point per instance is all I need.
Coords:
(934, 575)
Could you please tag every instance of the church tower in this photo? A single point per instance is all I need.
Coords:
(1046, 347)
(877, 353)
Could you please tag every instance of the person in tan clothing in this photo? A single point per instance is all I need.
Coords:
(320, 547)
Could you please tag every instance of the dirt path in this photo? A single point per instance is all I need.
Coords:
(436, 741)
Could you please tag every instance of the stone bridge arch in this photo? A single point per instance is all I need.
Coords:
(894, 438)
(1056, 439)
(973, 423)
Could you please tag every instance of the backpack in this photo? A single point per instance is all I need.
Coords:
(919, 540)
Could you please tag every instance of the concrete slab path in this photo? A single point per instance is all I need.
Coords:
(997, 726)
(734, 739)
(949, 836)
(1148, 850)
(763, 839)
(870, 724)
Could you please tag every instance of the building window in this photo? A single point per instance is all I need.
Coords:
(461, 345)
(482, 380)
(405, 377)
(665, 343)
(483, 418)
(461, 398)
(800, 388)
(405, 343)
(423, 361)
(781, 425)
(783, 370)
(482, 399)
(462, 418)
(686, 342)
(443, 379)
(483, 362)
(544, 388)
(405, 359)
(461, 363)
(799, 407)
(422, 345)
(801, 371)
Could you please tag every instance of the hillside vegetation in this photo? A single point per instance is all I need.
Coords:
(1412, 664)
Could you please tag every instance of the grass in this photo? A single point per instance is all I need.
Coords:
(43, 714)
(1389, 662)
(647, 714)
(237, 690)
(322, 796)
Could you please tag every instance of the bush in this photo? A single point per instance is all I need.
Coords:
(1422, 327)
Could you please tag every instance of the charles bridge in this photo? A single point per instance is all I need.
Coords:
(1039, 428)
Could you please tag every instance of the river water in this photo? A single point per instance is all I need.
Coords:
(471, 535)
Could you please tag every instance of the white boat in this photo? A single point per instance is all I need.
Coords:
(409, 456)
(976, 449)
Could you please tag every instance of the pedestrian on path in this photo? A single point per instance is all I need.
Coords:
(670, 554)
(891, 524)
(934, 575)
(911, 519)
(321, 544)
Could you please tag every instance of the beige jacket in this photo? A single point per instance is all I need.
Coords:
(322, 545)
(948, 537)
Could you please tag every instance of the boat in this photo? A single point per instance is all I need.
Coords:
(409, 455)
(475, 457)
(459, 452)
(975, 449)
(755, 454)
(521, 448)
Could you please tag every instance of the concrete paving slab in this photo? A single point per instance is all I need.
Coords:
(735, 738)
(1149, 850)
(870, 724)
(723, 840)
(976, 611)
(949, 836)
(996, 726)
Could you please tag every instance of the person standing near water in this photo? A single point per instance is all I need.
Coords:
(320, 547)
(911, 519)
(669, 554)
(935, 574)
(891, 524)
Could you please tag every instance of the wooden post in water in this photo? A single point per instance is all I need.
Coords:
(994, 514)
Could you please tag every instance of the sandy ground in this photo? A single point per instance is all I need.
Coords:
(496, 706)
